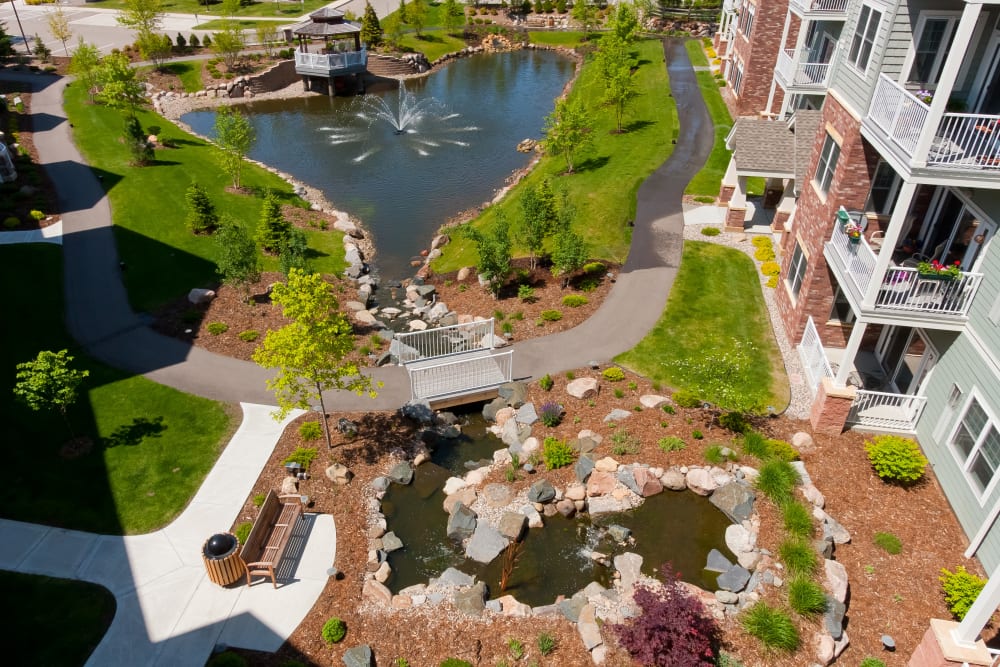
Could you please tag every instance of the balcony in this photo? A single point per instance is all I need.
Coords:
(795, 75)
(825, 8)
(905, 297)
(963, 143)
(331, 64)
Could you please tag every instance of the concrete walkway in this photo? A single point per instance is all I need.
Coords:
(168, 612)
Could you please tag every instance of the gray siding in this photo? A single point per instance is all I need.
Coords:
(849, 83)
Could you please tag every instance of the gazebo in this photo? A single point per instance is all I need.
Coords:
(337, 58)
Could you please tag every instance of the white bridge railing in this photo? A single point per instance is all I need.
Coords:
(892, 412)
(442, 341)
(465, 374)
(813, 356)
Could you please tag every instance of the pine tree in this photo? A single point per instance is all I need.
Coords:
(201, 217)
(274, 230)
(371, 29)
(295, 254)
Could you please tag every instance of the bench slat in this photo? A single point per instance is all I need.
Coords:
(270, 535)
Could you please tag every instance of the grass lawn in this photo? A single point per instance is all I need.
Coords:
(153, 445)
(568, 38)
(707, 181)
(284, 9)
(603, 188)
(189, 72)
(53, 621)
(700, 325)
(433, 43)
(164, 259)
(246, 24)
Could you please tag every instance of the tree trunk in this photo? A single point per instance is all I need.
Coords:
(322, 409)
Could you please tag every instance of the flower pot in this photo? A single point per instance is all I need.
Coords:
(937, 276)
(854, 239)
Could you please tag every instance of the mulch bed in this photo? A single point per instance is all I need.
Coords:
(894, 595)
(32, 190)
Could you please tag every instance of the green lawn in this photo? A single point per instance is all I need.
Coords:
(283, 9)
(433, 43)
(164, 259)
(246, 24)
(603, 188)
(189, 72)
(568, 38)
(692, 345)
(153, 445)
(52, 621)
(707, 181)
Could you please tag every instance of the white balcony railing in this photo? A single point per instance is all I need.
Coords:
(881, 410)
(813, 357)
(801, 75)
(902, 287)
(898, 113)
(828, 6)
(331, 61)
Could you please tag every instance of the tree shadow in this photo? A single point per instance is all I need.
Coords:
(130, 435)
(637, 125)
(593, 163)
(161, 163)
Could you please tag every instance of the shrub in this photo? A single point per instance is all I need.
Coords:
(546, 643)
(570, 375)
(498, 315)
(698, 435)
(259, 499)
(242, 531)
(777, 479)
(735, 422)
(781, 450)
(772, 627)
(526, 293)
(896, 459)
(333, 631)
(551, 315)
(764, 254)
(671, 443)
(871, 662)
(806, 597)
(754, 444)
(507, 328)
(226, 659)
(798, 555)
(772, 282)
(310, 431)
(613, 374)
(770, 268)
(673, 627)
(303, 456)
(217, 328)
(36, 214)
(10, 222)
(961, 588)
(669, 409)
(761, 242)
(574, 300)
(710, 231)
(556, 453)
(686, 398)
(249, 336)
(624, 443)
(201, 215)
(550, 414)
(454, 662)
(796, 518)
(546, 382)
(889, 543)
(594, 268)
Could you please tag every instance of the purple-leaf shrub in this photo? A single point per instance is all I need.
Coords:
(673, 629)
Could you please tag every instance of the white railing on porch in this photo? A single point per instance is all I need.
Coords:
(833, 6)
(813, 356)
(441, 341)
(967, 141)
(902, 287)
(331, 61)
(897, 112)
(430, 379)
(801, 74)
(891, 412)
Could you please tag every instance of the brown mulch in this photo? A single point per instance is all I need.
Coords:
(895, 595)
(33, 190)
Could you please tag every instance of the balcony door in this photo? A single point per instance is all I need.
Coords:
(931, 44)
(956, 232)
(985, 95)
(907, 357)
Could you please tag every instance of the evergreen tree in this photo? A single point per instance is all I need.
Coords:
(494, 253)
(295, 254)
(238, 263)
(137, 142)
(6, 43)
(371, 29)
(201, 216)
(193, 41)
(180, 41)
(274, 231)
(401, 12)
(41, 51)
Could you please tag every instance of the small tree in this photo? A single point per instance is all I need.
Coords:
(453, 16)
(229, 42)
(201, 215)
(59, 26)
(274, 231)
(584, 13)
(6, 43)
(623, 21)
(295, 254)
(235, 136)
(619, 90)
(401, 12)
(48, 382)
(538, 219)
(85, 65)
(41, 51)
(673, 628)
(569, 255)
(180, 41)
(267, 34)
(309, 351)
(371, 29)
(193, 41)
(416, 15)
(120, 89)
(239, 262)
(567, 131)
(393, 30)
(494, 253)
(137, 142)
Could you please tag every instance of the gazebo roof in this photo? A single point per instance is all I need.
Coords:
(314, 29)
(327, 15)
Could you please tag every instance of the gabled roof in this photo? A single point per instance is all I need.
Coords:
(779, 149)
(312, 29)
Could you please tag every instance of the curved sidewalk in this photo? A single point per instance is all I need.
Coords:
(168, 612)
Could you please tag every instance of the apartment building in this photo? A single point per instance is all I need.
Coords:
(902, 101)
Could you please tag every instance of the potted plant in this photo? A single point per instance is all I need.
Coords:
(853, 231)
(935, 270)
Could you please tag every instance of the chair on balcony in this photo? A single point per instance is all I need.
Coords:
(876, 240)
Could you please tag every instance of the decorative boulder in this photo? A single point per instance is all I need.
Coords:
(582, 388)
(600, 483)
(647, 484)
(486, 543)
(198, 296)
(735, 500)
(401, 473)
(461, 523)
(674, 480)
(541, 491)
(700, 481)
(512, 525)
(653, 401)
(339, 474)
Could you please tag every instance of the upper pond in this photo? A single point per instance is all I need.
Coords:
(404, 186)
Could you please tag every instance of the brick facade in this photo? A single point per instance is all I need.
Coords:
(759, 55)
(814, 220)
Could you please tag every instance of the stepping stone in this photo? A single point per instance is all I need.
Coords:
(486, 543)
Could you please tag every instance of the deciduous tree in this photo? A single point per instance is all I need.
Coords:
(310, 351)
(48, 382)
(59, 26)
(235, 136)
(619, 90)
(239, 262)
(416, 15)
(120, 89)
(145, 18)
(85, 65)
(567, 131)
(494, 252)
(229, 42)
(538, 217)
(453, 16)
(267, 34)
(570, 254)
(585, 14)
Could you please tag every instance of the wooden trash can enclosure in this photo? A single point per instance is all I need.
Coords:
(221, 553)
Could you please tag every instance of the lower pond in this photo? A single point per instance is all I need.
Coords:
(679, 527)
(460, 127)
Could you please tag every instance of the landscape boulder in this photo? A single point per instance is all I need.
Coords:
(582, 388)
(401, 473)
(461, 523)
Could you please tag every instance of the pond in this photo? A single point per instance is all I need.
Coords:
(679, 527)
(404, 186)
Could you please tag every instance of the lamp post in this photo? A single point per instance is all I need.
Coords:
(20, 27)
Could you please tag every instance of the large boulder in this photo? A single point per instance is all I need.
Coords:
(514, 393)
(376, 592)
(339, 474)
(583, 468)
(461, 523)
(646, 483)
(541, 491)
(512, 525)
(472, 600)
(836, 579)
(735, 500)
(653, 401)
(674, 480)
(199, 295)
(601, 483)
(582, 388)
(359, 656)
(486, 543)
(419, 411)
(700, 481)
(465, 496)
(586, 625)
(734, 579)
(401, 473)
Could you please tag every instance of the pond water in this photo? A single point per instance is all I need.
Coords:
(404, 186)
(680, 527)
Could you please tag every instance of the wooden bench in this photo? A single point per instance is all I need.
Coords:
(269, 537)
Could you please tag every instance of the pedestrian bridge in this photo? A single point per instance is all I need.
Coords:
(453, 365)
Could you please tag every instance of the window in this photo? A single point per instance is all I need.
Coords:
(864, 37)
(976, 443)
(751, 10)
(841, 312)
(827, 164)
(796, 270)
(932, 41)
(885, 190)
(736, 75)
